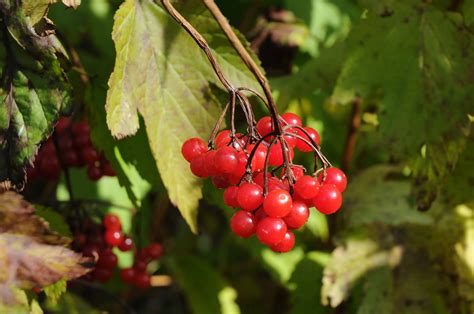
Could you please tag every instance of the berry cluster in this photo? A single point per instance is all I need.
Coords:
(70, 146)
(97, 241)
(272, 203)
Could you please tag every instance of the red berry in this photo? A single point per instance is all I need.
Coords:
(271, 230)
(290, 139)
(243, 224)
(265, 126)
(102, 274)
(258, 178)
(286, 244)
(276, 155)
(107, 259)
(155, 250)
(94, 173)
(198, 167)
(209, 164)
(298, 215)
(50, 168)
(301, 145)
(250, 196)
(32, 173)
(223, 138)
(260, 214)
(107, 169)
(230, 196)
(335, 176)
(239, 171)
(113, 237)
(81, 128)
(258, 159)
(64, 123)
(65, 142)
(91, 250)
(277, 203)
(69, 158)
(220, 181)
(328, 200)
(307, 187)
(112, 222)
(48, 149)
(192, 148)
(89, 155)
(142, 280)
(226, 160)
(127, 275)
(82, 140)
(297, 172)
(291, 119)
(126, 245)
(140, 266)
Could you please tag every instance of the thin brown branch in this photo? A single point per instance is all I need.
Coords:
(354, 125)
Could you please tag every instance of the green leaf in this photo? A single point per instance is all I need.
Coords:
(34, 91)
(468, 13)
(205, 290)
(162, 74)
(55, 220)
(431, 58)
(378, 290)
(55, 291)
(381, 195)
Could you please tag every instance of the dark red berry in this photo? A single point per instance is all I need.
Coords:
(192, 148)
(220, 181)
(82, 140)
(50, 168)
(271, 230)
(107, 169)
(89, 155)
(142, 280)
(243, 224)
(277, 203)
(63, 125)
(298, 215)
(140, 266)
(127, 275)
(107, 259)
(69, 158)
(328, 200)
(155, 250)
(94, 173)
(102, 274)
(81, 128)
(126, 245)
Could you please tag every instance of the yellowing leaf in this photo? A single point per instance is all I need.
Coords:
(30, 254)
(161, 74)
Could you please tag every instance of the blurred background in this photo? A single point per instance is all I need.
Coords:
(389, 85)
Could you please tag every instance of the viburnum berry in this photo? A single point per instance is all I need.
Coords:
(142, 280)
(192, 148)
(107, 169)
(277, 203)
(230, 196)
(223, 138)
(291, 119)
(298, 215)
(270, 230)
(102, 274)
(243, 224)
(127, 275)
(81, 128)
(328, 200)
(155, 250)
(276, 157)
(140, 265)
(226, 160)
(112, 222)
(258, 159)
(276, 184)
(220, 181)
(89, 155)
(249, 196)
(69, 158)
(126, 245)
(334, 176)
(113, 237)
(198, 167)
(265, 126)
(313, 134)
(107, 259)
(297, 172)
(63, 125)
(286, 244)
(94, 173)
(50, 168)
(307, 187)
(209, 164)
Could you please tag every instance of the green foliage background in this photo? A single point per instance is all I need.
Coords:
(145, 87)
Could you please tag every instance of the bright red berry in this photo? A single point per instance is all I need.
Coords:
(113, 237)
(328, 200)
(286, 244)
(209, 164)
(271, 230)
(223, 138)
(276, 184)
(277, 203)
(291, 119)
(198, 167)
(226, 160)
(142, 280)
(258, 159)
(192, 148)
(297, 172)
(307, 187)
(250, 196)
(155, 250)
(230, 196)
(276, 155)
(265, 126)
(335, 176)
(313, 134)
(126, 245)
(127, 275)
(112, 222)
(243, 224)
(298, 215)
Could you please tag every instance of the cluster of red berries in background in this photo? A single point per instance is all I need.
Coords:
(98, 241)
(272, 212)
(69, 147)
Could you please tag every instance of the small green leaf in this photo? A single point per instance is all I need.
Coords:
(55, 291)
